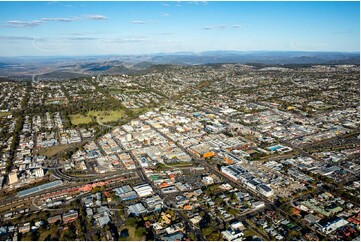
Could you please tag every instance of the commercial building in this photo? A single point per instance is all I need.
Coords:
(154, 203)
(125, 193)
(143, 190)
(13, 178)
(168, 190)
(233, 171)
(330, 226)
(136, 209)
(265, 190)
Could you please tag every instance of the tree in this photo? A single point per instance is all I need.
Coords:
(207, 231)
(131, 221)
(35, 235)
(214, 236)
(292, 235)
(192, 237)
(140, 231)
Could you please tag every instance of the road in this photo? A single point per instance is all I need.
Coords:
(256, 230)
(60, 175)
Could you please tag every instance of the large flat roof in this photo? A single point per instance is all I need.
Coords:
(39, 188)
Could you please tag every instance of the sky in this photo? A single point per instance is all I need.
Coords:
(104, 28)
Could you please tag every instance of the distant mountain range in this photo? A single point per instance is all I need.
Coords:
(129, 64)
(261, 57)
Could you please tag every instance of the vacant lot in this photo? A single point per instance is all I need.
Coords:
(51, 151)
(3, 114)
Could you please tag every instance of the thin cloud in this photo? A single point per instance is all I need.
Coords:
(79, 33)
(52, 2)
(116, 43)
(82, 38)
(214, 27)
(96, 17)
(56, 45)
(128, 40)
(166, 14)
(222, 26)
(22, 24)
(57, 2)
(137, 22)
(198, 2)
(58, 19)
(162, 33)
(16, 38)
(34, 23)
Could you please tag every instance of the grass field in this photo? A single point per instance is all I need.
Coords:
(44, 234)
(51, 151)
(107, 116)
(122, 91)
(3, 114)
(80, 119)
(103, 116)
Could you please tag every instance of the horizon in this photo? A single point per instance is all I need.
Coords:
(80, 29)
(185, 53)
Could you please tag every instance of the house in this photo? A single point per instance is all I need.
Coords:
(89, 212)
(70, 216)
(207, 180)
(258, 204)
(54, 219)
(238, 225)
(178, 227)
(102, 215)
(232, 234)
(25, 228)
(173, 237)
(3, 230)
(312, 219)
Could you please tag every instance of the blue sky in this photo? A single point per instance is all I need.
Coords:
(100, 28)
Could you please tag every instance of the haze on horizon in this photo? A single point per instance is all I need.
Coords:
(103, 28)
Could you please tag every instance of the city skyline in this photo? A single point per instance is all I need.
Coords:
(123, 28)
